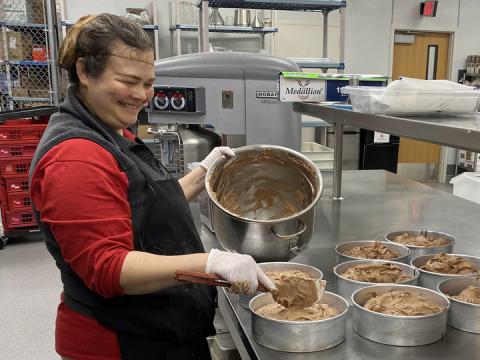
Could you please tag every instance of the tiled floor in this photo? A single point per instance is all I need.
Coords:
(29, 294)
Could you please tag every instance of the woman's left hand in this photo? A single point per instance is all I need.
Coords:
(215, 154)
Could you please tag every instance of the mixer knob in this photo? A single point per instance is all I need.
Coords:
(178, 102)
(161, 101)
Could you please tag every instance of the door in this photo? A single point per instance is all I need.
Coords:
(425, 58)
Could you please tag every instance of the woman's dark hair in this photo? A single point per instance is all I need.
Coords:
(92, 38)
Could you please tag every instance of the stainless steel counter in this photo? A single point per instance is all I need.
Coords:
(376, 202)
(462, 132)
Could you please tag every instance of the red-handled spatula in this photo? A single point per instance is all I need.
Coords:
(292, 291)
(207, 279)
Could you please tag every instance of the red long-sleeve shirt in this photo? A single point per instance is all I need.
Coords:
(81, 193)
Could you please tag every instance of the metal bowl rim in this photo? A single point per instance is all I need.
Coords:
(305, 322)
(261, 147)
(292, 263)
(371, 241)
(455, 300)
(408, 317)
(450, 238)
(415, 271)
(442, 274)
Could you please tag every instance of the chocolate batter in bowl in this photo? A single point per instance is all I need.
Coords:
(263, 201)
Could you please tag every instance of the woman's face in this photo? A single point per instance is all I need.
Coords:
(124, 87)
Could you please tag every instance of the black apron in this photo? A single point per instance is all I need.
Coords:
(171, 324)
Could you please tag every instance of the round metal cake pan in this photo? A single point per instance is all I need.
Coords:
(462, 315)
(416, 251)
(342, 248)
(313, 272)
(346, 287)
(394, 329)
(430, 279)
(299, 336)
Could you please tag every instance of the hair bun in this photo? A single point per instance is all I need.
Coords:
(67, 56)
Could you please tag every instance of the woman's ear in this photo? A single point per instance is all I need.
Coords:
(81, 73)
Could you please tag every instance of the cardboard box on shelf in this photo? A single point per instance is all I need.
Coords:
(20, 92)
(44, 93)
(26, 47)
(14, 45)
(14, 10)
(34, 77)
(3, 83)
(23, 11)
(39, 53)
(35, 12)
(28, 105)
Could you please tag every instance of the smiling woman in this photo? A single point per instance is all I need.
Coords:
(116, 222)
(112, 68)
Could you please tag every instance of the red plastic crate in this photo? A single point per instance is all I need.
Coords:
(27, 132)
(19, 218)
(12, 150)
(9, 168)
(17, 185)
(19, 201)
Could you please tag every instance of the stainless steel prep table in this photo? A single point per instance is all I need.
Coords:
(376, 202)
(462, 132)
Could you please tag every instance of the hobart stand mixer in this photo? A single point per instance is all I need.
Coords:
(208, 99)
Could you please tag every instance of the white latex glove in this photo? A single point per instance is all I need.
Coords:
(215, 154)
(241, 270)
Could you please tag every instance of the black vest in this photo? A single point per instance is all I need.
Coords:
(147, 325)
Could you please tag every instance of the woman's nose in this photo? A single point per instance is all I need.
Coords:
(140, 93)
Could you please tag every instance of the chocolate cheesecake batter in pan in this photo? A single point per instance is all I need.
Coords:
(470, 294)
(376, 273)
(450, 264)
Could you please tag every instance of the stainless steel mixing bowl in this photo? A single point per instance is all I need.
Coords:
(274, 228)
(299, 336)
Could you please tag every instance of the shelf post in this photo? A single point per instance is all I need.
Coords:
(325, 34)
(204, 26)
(337, 162)
(7, 68)
(342, 38)
(178, 32)
(52, 50)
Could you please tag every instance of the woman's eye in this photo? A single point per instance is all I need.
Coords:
(128, 83)
(148, 86)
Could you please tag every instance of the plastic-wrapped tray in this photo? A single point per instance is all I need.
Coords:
(374, 100)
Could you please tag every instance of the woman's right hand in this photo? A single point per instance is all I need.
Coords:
(241, 270)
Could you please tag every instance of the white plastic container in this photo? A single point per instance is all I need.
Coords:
(467, 186)
(368, 99)
(322, 156)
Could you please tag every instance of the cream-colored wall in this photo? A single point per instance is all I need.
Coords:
(300, 34)
(406, 15)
